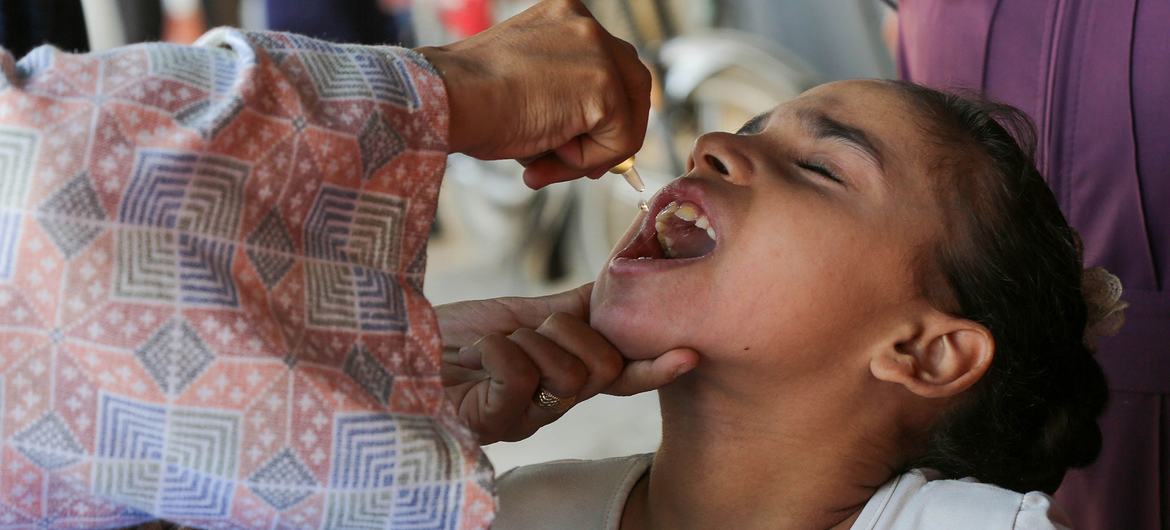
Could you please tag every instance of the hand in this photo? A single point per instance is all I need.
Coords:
(498, 353)
(549, 86)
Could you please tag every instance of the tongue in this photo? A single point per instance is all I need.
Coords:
(681, 239)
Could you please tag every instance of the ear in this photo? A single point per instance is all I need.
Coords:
(940, 356)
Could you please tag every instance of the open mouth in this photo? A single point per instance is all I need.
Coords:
(680, 230)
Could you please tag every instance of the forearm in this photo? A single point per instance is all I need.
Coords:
(217, 264)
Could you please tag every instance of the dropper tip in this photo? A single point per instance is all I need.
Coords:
(634, 179)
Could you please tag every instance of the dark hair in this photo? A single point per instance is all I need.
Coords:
(1009, 261)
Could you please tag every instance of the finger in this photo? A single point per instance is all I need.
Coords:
(538, 416)
(606, 145)
(573, 334)
(457, 376)
(532, 312)
(549, 169)
(470, 357)
(641, 376)
(560, 372)
(513, 381)
(525, 161)
(534, 417)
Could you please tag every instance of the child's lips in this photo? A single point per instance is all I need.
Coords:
(622, 265)
(686, 199)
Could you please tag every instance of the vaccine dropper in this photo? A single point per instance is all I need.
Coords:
(626, 170)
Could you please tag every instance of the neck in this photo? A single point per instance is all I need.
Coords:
(731, 459)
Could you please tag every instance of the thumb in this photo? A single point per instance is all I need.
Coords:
(650, 374)
(531, 312)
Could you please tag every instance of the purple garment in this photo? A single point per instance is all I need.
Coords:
(1095, 76)
(342, 21)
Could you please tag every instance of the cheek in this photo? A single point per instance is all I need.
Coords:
(800, 287)
(774, 299)
(786, 286)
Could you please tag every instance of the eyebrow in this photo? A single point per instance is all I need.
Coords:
(822, 126)
(755, 124)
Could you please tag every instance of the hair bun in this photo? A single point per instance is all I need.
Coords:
(1105, 308)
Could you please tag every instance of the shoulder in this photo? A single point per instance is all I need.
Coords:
(568, 494)
(919, 500)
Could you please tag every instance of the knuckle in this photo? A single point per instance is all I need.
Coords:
(609, 368)
(587, 28)
(576, 376)
(471, 350)
(630, 51)
(594, 114)
(502, 352)
(559, 6)
(598, 77)
(643, 78)
(614, 82)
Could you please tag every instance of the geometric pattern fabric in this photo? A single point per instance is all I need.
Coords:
(49, 443)
(72, 215)
(174, 356)
(283, 481)
(271, 248)
(210, 302)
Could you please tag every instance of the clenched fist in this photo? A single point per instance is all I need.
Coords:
(550, 87)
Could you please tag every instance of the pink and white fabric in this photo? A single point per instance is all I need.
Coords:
(211, 309)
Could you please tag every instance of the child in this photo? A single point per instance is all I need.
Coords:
(886, 300)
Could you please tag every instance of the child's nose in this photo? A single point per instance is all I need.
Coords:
(722, 154)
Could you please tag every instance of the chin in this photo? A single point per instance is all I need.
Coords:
(644, 318)
(620, 317)
(637, 302)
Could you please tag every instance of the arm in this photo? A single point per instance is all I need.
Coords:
(211, 262)
(232, 330)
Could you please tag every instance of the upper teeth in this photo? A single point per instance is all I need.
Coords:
(686, 211)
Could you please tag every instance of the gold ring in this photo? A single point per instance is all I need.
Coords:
(546, 400)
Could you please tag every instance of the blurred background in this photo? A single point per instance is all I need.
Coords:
(716, 64)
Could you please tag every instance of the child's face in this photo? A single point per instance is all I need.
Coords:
(802, 267)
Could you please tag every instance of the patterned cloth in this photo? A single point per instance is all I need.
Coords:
(211, 309)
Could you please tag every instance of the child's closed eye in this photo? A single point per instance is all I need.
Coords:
(820, 170)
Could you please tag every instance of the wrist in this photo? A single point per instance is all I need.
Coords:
(464, 84)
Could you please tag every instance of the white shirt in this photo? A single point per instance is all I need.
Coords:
(591, 495)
